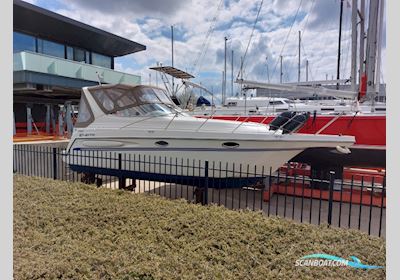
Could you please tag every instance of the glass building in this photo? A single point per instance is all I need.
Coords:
(53, 58)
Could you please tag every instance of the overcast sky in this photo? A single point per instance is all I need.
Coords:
(201, 25)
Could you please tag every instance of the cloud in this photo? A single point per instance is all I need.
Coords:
(201, 52)
(131, 7)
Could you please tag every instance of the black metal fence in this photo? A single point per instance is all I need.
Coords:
(356, 202)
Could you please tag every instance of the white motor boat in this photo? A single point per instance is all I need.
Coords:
(143, 122)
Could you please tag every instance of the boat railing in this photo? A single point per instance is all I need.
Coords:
(245, 120)
(209, 117)
(169, 123)
(331, 122)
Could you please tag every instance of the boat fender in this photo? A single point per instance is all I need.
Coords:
(343, 150)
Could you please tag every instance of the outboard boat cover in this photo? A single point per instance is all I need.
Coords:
(202, 100)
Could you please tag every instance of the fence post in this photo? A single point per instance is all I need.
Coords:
(54, 163)
(330, 206)
(205, 202)
(121, 179)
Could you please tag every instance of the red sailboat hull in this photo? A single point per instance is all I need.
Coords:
(369, 131)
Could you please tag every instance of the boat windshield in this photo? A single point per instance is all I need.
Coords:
(134, 101)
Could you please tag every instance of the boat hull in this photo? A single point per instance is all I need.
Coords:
(369, 131)
(182, 158)
(187, 157)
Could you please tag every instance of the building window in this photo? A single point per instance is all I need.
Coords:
(79, 55)
(51, 48)
(101, 60)
(23, 42)
(87, 58)
(70, 53)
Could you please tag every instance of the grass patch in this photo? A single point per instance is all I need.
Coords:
(74, 231)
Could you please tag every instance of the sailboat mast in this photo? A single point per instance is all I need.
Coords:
(307, 70)
(172, 57)
(339, 43)
(241, 74)
(232, 75)
(222, 88)
(298, 76)
(224, 91)
(362, 44)
(371, 49)
(354, 45)
(379, 45)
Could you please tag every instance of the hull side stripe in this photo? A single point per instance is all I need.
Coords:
(189, 149)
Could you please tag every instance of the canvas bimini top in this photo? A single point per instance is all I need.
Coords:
(126, 101)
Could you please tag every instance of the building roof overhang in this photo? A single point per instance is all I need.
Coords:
(40, 22)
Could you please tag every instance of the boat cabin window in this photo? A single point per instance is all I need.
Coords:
(134, 101)
(85, 115)
(104, 100)
(148, 96)
(232, 104)
(275, 102)
(327, 109)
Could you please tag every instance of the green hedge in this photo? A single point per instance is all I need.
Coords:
(74, 231)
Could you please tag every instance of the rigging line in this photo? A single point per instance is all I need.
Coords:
(206, 41)
(303, 31)
(345, 66)
(251, 36)
(306, 22)
(305, 55)
(286, 72)
(325, 49)
(209, 31)
(290, 30)
(262, 52)
(323, 53)
(345, 50)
